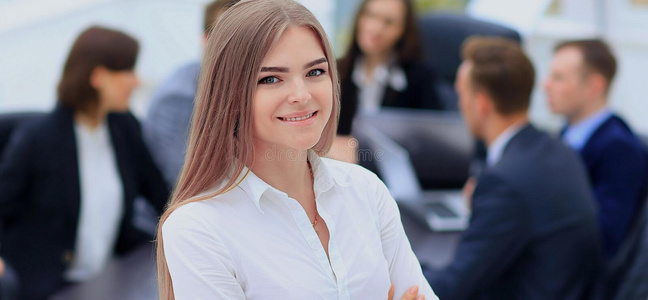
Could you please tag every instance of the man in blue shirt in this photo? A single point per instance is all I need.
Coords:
(577, 88)
(166, 127)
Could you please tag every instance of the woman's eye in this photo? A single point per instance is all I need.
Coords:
(316, 72)
(269, 80)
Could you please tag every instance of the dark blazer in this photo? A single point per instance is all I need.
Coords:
(617, 165)
(420, 93)
(40, 196)
(533, 231)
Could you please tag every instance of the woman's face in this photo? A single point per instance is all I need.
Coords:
(380, 26)
(294, 94)
(115, 88)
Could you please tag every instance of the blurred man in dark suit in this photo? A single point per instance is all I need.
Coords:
(532, 232)
(577, 88)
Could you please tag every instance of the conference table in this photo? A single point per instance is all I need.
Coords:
(133, 276)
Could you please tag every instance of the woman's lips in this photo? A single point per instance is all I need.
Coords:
(298, 118)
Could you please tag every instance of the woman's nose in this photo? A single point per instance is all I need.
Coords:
(300, 92)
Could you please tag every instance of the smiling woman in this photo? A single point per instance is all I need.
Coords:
(257, 213)
(293, 100)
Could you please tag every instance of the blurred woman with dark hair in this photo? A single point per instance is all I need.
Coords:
(68, 180)
(383, 66)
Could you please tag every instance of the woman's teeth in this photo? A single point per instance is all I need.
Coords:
(299, 118)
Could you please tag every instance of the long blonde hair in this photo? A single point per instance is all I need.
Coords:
(220, 142)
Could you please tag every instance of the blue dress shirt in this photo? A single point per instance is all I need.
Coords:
(577, 135)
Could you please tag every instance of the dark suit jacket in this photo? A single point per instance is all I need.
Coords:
(533, 231)
(618, 168)
(420, 93)
(40, 196)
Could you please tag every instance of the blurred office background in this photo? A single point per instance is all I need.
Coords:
(35, 36)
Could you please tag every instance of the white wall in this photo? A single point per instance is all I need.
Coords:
(32, 55)
(36, 35)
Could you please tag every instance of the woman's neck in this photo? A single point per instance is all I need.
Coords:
(373, 61)
(285, 170)
(90, 120)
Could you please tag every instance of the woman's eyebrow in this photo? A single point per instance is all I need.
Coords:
(315, 62)
(275, 69)
(286, 70)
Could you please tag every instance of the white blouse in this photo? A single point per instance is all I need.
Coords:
(255, 242)
(101, 206)
(372, 91)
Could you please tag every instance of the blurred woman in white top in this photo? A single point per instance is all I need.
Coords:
(257, 213)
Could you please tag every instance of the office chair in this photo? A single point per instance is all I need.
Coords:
(634, 283)
(627, 273)
(442, 35)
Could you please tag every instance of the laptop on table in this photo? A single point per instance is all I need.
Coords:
(407, 147)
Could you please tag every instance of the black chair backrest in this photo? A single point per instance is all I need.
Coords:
(9, 122)
(442, 35)
(633, 285)
(632, 253)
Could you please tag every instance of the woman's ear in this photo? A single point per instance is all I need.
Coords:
(98, 76)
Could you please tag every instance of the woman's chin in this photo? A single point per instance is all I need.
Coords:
(371, 49)
(303, 145)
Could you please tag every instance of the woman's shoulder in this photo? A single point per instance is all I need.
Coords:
(214, 210)
(188, 211)
(193, 217)
(348, 172)
(31, 129)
